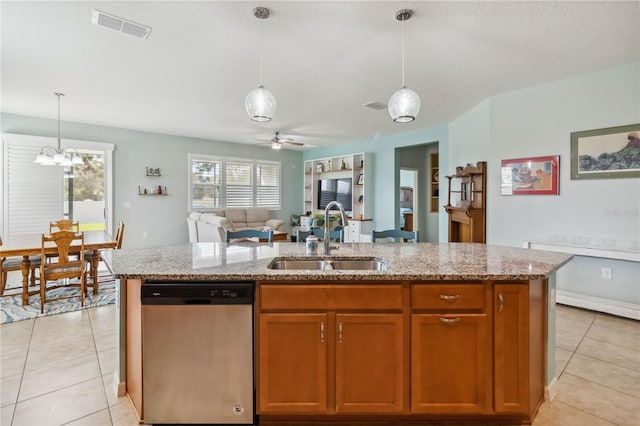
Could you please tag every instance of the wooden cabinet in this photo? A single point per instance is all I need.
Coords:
(518, 336)
(466, 204)
(336, 361)
(369, 363)
(421, 351)
(292, 358)
(450, 349)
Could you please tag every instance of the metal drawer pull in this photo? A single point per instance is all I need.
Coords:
(449, 320)
(447, 297)
(339, 332)
(501, 300)
(322, 332)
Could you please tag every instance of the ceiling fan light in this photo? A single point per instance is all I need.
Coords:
(404, 105)
(276, 145)
(260, 104)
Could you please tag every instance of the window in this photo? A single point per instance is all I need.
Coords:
(219, 182)
(33, 195)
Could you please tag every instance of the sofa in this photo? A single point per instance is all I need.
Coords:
(211, 226)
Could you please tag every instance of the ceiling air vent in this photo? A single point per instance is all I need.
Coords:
(119, 24)
(375, 105)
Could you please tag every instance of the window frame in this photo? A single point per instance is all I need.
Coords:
(254, 162)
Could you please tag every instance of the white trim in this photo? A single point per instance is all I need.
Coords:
(551, 390)
(627, 310)
(608, 253)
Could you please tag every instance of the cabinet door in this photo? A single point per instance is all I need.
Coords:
(511, 348)
(353, 232)
(369, 363)
(450, 363)
(292, 369)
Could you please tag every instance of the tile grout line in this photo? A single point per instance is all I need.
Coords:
(95, 346)
(24, 366)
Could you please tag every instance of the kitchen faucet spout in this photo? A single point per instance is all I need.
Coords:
(343, 216)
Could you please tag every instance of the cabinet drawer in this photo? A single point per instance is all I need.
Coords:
(447, 296)
(321, 296)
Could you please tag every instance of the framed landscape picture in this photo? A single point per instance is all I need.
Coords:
(613, 152)
(530, 176)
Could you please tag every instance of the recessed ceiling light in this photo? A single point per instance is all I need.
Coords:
(113, 22)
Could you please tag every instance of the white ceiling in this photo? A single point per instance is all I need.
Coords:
(322, 61)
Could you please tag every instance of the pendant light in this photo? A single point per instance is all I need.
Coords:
(404, 104)
(260, 103)
(58, 156)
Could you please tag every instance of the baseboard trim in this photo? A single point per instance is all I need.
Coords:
(119, 387)
(627, 310)
(551, 390)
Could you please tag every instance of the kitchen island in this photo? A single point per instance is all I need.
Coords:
(449, 332)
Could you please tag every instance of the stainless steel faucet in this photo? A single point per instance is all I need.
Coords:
(327, 246)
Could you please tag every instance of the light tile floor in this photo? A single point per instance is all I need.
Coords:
(58, 370)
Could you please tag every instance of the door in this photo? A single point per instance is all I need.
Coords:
(292, 369)
(369, 363)
(409, 211)
(450, 363)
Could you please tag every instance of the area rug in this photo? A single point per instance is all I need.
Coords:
(11, 309)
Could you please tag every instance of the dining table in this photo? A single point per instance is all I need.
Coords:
(30, 244)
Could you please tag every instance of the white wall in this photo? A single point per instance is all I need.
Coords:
(538, 121)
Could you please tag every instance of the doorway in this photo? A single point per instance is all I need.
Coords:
(409, 205)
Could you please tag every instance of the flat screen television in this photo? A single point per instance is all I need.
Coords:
(339, 190)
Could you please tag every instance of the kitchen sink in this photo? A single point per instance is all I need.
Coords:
(328, 264)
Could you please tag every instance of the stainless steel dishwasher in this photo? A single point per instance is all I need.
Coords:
(197, 352)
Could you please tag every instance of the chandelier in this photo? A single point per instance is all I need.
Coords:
(59, 156)
(260, 103)
(404, 104)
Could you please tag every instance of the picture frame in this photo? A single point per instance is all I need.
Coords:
(530, 176)
(608, 153)
(361, 179)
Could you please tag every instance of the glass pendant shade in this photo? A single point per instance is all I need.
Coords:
(404, 105)
(260, 104)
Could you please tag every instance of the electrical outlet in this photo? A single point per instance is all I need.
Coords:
(145, 234)
(607, 273)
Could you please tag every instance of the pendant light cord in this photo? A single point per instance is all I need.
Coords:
(261, 47)
(58, 94)
(403, 52)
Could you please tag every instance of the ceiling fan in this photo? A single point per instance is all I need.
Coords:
(277, 141)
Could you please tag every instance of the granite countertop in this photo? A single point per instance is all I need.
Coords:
(408, 261)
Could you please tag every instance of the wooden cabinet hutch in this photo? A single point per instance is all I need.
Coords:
(466, 204)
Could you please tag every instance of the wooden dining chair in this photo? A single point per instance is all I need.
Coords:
(395, 234)
(8, 264)
(64, 225)
(118, 239)
(67, 264)
(263, 236)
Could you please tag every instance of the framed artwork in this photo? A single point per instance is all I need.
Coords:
(361, 179)
(613, 152)
(530, 176)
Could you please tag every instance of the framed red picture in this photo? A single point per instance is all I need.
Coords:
(530, 176)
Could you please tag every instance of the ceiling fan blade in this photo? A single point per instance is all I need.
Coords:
(292, 143)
